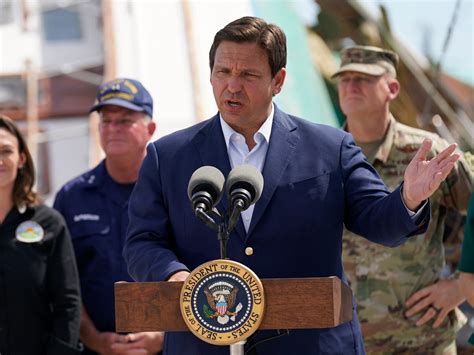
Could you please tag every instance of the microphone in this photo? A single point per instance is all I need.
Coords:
(205, 188)
(243, 187)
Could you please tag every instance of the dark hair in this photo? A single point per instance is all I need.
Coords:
(269, 37)
(23, 189)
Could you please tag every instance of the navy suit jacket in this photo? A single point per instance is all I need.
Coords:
(316, 180)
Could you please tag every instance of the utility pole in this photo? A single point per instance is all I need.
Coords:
(32, 110)
(110, 72)
(109, 40)
(192, 56)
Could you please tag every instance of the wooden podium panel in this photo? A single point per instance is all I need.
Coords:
(320, 302)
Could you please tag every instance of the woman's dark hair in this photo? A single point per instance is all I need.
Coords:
(23, 189)
(269, 37)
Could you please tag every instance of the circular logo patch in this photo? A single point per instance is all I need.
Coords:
(29, 232)
(222, 302)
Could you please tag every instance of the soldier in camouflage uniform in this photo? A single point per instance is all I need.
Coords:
(404, 306)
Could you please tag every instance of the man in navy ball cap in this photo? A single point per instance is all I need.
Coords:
(95, 207)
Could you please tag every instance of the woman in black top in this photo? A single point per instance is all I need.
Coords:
(39, 289)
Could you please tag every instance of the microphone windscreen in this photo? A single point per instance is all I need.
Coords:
(245, 176)
(209, 179)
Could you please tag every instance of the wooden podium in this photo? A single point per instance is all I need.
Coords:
(320, 302)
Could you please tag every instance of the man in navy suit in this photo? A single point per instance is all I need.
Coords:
(316, 181)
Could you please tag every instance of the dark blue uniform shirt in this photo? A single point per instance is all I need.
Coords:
(95, 208)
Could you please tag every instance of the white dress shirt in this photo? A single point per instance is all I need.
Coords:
(239, 153)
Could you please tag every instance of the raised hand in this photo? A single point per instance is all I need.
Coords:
(423, 177)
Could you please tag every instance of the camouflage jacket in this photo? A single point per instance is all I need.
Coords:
(382, 278)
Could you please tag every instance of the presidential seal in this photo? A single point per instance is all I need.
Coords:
(222, 302)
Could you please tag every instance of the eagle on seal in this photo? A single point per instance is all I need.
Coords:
(221, 301)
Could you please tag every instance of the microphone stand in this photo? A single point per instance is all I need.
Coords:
(223, 237)
(221, 228)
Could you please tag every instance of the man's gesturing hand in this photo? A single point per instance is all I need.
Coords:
(423, 177)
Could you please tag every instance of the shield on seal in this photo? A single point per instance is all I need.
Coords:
(221, 307)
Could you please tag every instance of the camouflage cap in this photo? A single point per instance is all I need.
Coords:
(368, 60)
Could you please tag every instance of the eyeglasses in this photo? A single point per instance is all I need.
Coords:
(359, 55)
